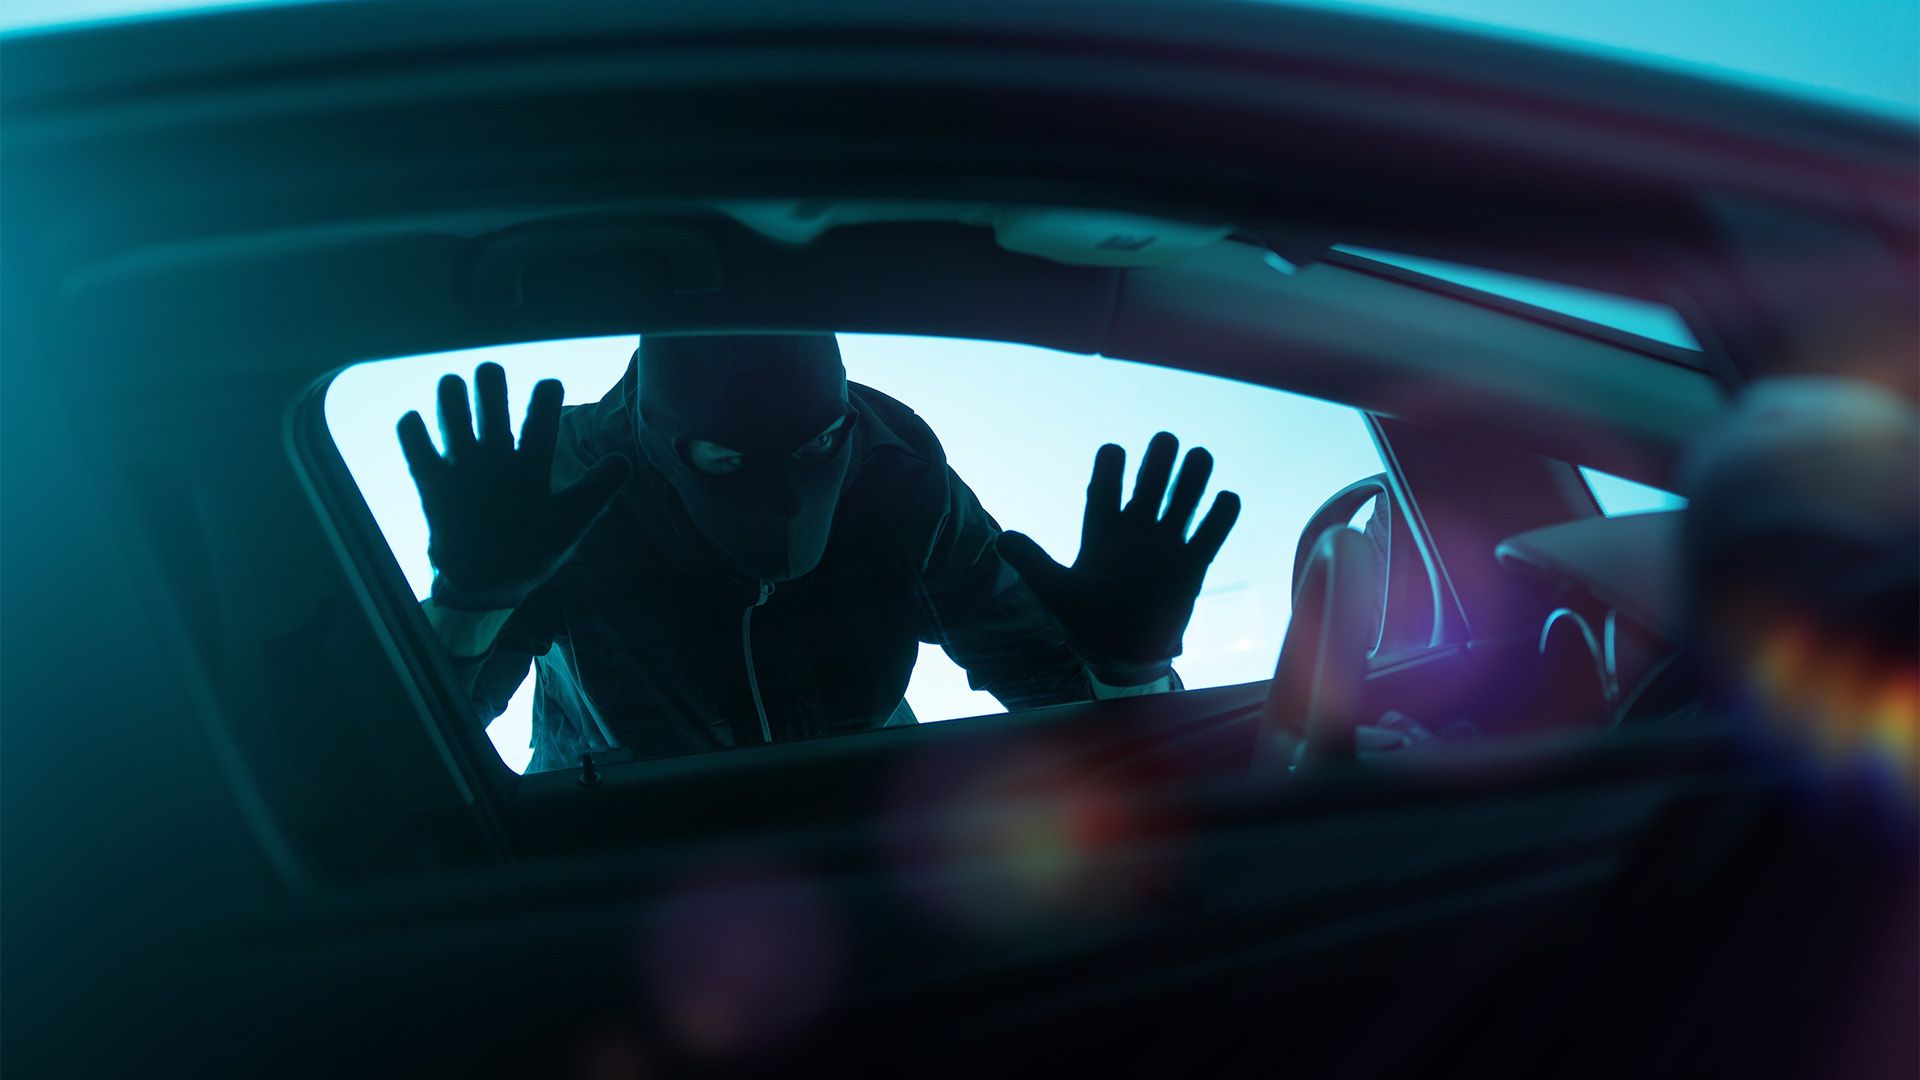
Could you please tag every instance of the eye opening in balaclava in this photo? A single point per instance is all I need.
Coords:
(716, 460)
(765, 398)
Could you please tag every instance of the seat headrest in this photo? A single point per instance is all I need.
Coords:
(1321, 676)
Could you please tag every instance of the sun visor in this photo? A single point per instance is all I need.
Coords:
(1098, 238)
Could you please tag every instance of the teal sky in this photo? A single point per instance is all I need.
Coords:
(1864, 53)
(1861, 52)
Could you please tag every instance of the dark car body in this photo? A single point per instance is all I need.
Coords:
(247, 832)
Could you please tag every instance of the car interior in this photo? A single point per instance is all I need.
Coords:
(1473, 820)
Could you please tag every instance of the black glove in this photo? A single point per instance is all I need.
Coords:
(496, 529)
(1124, 604)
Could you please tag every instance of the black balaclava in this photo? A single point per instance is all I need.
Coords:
(768, 397)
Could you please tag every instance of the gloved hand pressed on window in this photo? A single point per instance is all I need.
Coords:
(1125, 602)
(496, 529)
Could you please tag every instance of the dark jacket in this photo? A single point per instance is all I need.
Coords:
(644, 640)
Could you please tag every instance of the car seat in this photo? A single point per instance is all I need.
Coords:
(1313, 709)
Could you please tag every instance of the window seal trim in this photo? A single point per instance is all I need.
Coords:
(359, 544)
(1692, 360)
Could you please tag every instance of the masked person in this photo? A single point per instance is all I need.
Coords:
(737, 546)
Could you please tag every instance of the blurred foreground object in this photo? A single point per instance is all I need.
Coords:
(1802, 549)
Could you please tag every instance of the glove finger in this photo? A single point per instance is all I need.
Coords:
(542, 425)
(423, 461)
(1150, 486)
(490, 387)
(1214, 528)
(456, 419)
(1035, 566)
(1103, 490)
(576, 507)
(1187, 489)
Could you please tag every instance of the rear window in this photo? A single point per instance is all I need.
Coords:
(1019, 426)
(1618, 495)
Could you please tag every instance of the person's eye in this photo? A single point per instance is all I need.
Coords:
(822, 444)
(714, 459)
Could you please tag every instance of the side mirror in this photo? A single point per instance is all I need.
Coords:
(1407, 610)
(1355, 593)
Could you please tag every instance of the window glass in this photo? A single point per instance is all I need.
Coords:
(1656, 322)
(1618, 496)
(1019, 425)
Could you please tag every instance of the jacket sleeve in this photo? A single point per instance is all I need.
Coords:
(491, 669)
(491, 676)
(987, 619)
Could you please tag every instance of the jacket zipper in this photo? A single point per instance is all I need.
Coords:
(746, 648)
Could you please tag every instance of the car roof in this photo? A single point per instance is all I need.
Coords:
(1852, 69)
(327, 148)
